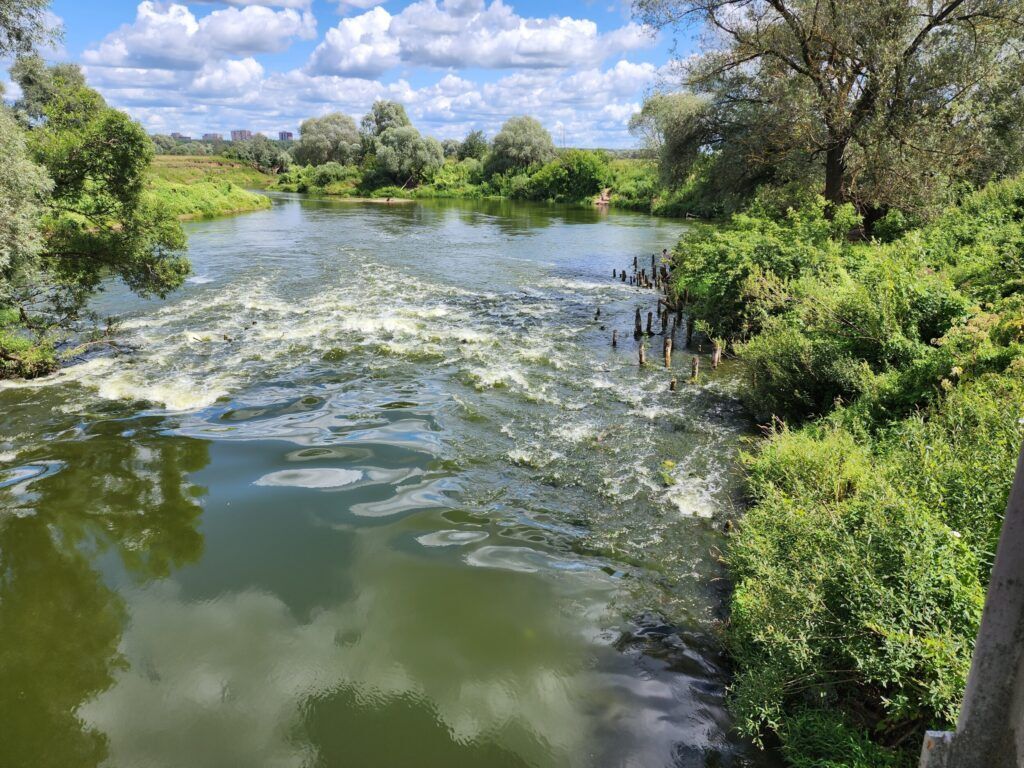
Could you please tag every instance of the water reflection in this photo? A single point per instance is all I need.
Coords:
(430, 493)
(120, 490)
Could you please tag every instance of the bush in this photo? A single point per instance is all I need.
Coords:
(22, 358)
(863, 560)
(575, 175)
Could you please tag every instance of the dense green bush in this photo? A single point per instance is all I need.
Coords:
(862, 562)
(737, 276)
(574, 175)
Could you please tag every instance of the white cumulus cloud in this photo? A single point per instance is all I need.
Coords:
(171, 37)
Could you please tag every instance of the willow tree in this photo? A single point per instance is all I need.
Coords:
(891, 99)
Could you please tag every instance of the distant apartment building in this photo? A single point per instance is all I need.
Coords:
(212, 137)
(241, 135)
(180, 137)
(285, 135)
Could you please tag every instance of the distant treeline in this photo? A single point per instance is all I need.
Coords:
(385, 155)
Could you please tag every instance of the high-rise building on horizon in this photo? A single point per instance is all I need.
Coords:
(241, 135)
(285, 135)
(213, 137)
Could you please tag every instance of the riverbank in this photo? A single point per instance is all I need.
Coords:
(205, 187)
(631, 184)
(892, 376)
(204, 199)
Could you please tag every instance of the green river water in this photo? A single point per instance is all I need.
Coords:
(372, 489)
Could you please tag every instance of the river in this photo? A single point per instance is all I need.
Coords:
(372, 489)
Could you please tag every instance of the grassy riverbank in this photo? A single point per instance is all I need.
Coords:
(203, 199)
(892, 375)
(205, 187)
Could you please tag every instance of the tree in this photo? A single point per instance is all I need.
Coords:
(24, 24)
(262, 154)
(473, 146)
(574, 175)
(673, 128)
(887, 97)
(331, 138)
(451, 147)
(24, 186)
(401, 155)
(95, 220)
(384, 115)
(521, 142)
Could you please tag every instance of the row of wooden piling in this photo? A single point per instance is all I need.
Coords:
(659, 279)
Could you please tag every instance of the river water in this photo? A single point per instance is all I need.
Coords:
(372, 489)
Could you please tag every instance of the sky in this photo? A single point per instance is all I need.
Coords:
(581, 67)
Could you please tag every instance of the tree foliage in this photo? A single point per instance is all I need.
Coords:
(383, 115)
(401, 155)
(261, 153)
(521, 143)
(24, 25)
(862, 562)
(473, 146)
(331, 138)
(887, 102)
(95, 221)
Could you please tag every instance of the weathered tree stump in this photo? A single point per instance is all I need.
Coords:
(694, 368)
(668, 351)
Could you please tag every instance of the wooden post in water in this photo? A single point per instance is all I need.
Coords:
(638, 329)
(643, 355)
(597, 314)
(716, 355)
(675, 325)
(664, 321)
(672, 386)
(668, 351)
(623, 275)
(650, 318)
(634, 264)
(615, 339)
(694, 368)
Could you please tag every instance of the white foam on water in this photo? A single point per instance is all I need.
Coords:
(322, 478)
(452, 538)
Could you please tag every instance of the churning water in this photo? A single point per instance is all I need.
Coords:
(373, 489)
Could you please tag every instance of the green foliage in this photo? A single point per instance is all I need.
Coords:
(382, 116)
(574, 175)
(634, 183)
(89, 221)
(857, 98)
(818, 739)
(862, 563)
(24, 24)
(474, 146)
(521, 143)
(331, 138)
(400, 155)
(202, 199)
(191, 168)
(261, 153)
(22, 357)
(24, 186)
(737, 276)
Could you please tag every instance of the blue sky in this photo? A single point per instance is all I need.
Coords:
(580, 67)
